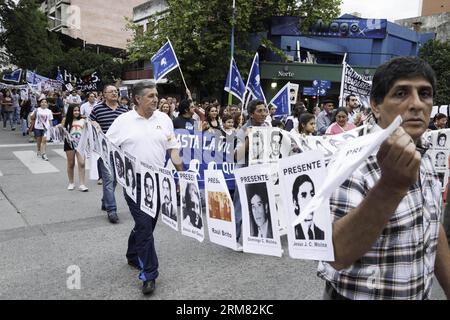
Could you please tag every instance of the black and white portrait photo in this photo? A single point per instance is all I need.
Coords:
(149, 199)
(275, 145)
(120, 169)
(192, 213)
(167, 207)
(303, 191)
(440, 160)
(441, 140)
(130, 177)
(259, 209)
(257, 145)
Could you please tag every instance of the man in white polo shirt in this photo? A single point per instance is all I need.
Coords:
(147, 134)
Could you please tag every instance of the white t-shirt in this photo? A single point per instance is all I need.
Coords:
(146, 139)
(86, 109)
(43, 118)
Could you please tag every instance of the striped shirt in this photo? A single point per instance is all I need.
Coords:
(400, 264)
(105, 116)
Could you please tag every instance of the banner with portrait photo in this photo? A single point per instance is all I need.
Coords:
(259, 216)
(300, 176)
(130, 176)
(94, 141)
(119, 164)
(105, 150)
(192, 224)
(439, 152)
(267, 144)
(168, 198)
(149, 191)
(355, 84)
(219, 210)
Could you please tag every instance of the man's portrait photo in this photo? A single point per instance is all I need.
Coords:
(119, 165)
(302, 192)
(192, 213)
(259, 209)
(167, 209)
(149, 191)
(257, 145)
(440, 160)
(441, 140)
(275, 145)
(130, 178)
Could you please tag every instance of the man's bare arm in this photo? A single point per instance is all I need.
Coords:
(355, 234)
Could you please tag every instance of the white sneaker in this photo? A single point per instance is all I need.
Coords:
(71, 186)
(239, 248)
(39, 155)
(44, 157)
(83, 188)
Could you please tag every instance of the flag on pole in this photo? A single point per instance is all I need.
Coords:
(59, 76)
(13, 76)
(34, 78)
(254, 81)
(237, 87)
(281, 101)
(164, 61)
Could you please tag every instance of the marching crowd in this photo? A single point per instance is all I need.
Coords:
(377, 212)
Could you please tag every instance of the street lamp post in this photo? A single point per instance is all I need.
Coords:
(71, 25)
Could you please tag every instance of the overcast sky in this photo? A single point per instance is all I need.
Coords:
(378, 9)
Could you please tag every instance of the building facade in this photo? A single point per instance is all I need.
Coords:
(433, 7)
(94, 21)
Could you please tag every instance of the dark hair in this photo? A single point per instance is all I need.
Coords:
(276, 123)
(276, 133)
(252, 105)
(70, 117)
(236, 118)
(439, 116)
(207, 113)
(399, 68)
(166, 179)
(296, 187)
(184, 106)
(227, 117)
(341, 109)
(253, 190)
(441, 135)
(347, 99)
(117, 156)
(128, 165)
(303, 121)
(149, 176)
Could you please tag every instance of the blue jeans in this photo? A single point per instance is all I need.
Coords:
(16, 117)
(8, 116)
(141, 243)
(109, 186)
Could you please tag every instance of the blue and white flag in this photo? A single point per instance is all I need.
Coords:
(254, 81)
(13, 76)
(59, 76)
(34, 78)
(237, 87)
(281, 101)
(164, 61)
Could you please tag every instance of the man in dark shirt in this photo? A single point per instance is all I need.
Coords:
(102, 116)
(185, 120)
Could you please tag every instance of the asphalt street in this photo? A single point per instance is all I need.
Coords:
(46, 232)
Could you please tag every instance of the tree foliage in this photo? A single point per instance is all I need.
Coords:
(437, 54)
(29, 45)
(200, 33)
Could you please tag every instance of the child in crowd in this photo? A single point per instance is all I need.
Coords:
(74, 124)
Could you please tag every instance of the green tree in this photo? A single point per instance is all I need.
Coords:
(28, 43)
(200, 33)
(437, 54)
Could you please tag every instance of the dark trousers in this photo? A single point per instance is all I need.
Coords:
(447, 216)
(141, 244)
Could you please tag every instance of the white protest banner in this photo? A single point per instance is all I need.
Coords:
(130, 176)
(219, 210)
(300, 176)
(149, 195)
(259, 216)
(83, 146)
(439, 152)
(118, 164)
(168, 192)
(105, 151)
(94, 141)
(191, 207)
(355, 84)
(278, 145)
(347, 159)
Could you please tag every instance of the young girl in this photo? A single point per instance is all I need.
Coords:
(74, 124)
(306, 124)
(41, 121)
